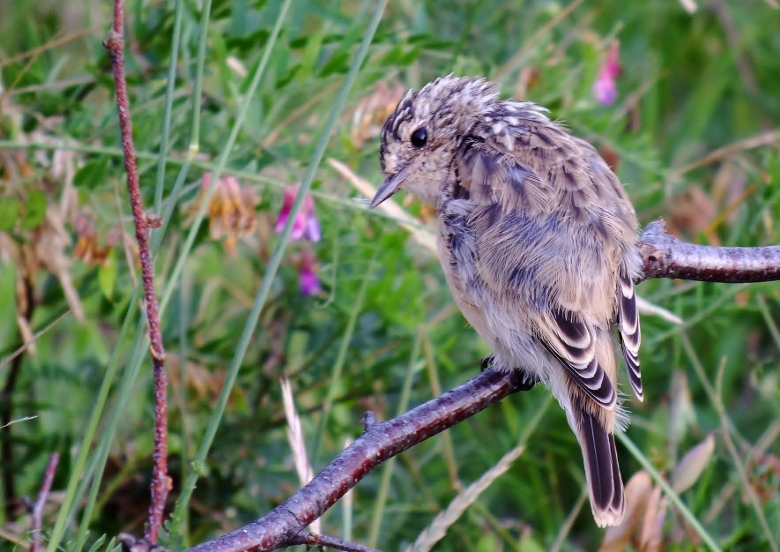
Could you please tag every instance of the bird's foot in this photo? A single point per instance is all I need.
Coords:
(486, 363)
(525, 381)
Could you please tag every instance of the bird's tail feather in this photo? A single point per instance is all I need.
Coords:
(602, 470)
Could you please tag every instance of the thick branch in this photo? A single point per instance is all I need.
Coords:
(664, 257)
(379, 442)
(667, 257)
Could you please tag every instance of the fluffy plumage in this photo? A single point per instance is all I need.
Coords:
(536, 239)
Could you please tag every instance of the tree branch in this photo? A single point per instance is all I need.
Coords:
(664, 257)
(667, 257)
(379, 442)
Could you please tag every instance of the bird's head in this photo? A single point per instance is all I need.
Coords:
(421, 137)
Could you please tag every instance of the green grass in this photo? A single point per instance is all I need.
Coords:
(242, 100)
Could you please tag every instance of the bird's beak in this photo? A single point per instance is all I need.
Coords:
(390, 186)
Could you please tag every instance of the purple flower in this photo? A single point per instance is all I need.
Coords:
(307, 275)
(605, 88)
(306, 224)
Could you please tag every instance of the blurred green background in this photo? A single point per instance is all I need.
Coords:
(693, 133)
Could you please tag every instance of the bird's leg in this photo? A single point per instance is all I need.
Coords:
(524, 380)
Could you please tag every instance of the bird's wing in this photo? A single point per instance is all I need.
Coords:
(630, 336)
(573, 343)
(521, 240)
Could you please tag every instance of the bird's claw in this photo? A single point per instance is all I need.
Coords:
(486, 363)
(525, 381)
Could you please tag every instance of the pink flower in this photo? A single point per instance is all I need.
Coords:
(306, 224)
(307, 275)
(605, 88)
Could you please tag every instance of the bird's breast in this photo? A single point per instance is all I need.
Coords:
(460, 261)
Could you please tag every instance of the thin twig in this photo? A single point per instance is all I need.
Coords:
(436, 530)
(27, 344)
(57, 42)
(161, 483)
(764, 139)
(321, 541)
(568, 523)
(37, 509)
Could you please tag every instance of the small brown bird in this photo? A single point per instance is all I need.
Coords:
(536, 239)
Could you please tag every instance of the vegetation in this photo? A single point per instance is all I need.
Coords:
(358, 316)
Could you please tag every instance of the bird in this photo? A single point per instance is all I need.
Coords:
(536, 238)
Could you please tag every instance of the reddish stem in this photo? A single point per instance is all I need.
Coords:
(161, 483)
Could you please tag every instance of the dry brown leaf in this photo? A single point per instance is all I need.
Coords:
(50, 240)
(652, 525)
(22, 307)
(742, 298)
(638, 490)
(231, 210)
(681, 412)
(729, 185)
(691, 213)
(88, 247)
(372, 111)
(690, 467)
(611, 156)
(528, 77)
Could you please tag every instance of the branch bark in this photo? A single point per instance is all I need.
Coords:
(379, 442)
(664, 257)
(667, 257)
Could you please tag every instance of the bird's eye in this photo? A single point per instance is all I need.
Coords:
(419, 137)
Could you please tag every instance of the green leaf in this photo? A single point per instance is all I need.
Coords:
(98, 543)
(92, 174)
(312, 53)
(107, 274)
(287, 78)
(34, 210)
(529, 544)
(256, 40)
(9, 212)
(338, 63)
